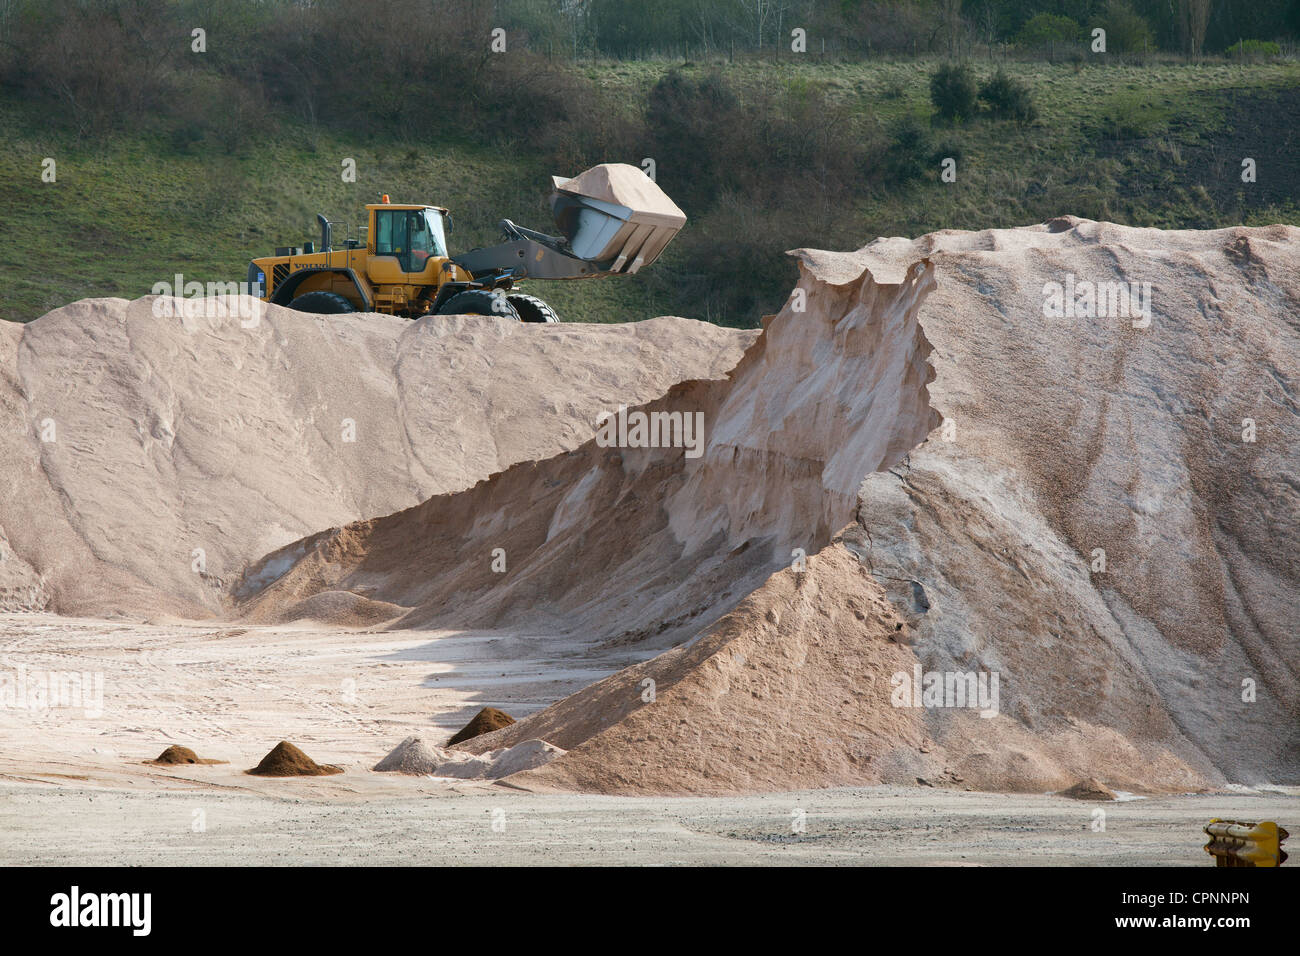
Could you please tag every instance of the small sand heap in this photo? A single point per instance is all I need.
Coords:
(485, 721)
(181, 755)
(1089, 789)
(527, 755)
(414, 756)
(286, 760)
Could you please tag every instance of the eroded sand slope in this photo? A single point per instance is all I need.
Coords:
(1078, 434)
(642, 547)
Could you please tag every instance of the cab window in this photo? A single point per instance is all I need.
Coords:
(412, 235)
(390, 232)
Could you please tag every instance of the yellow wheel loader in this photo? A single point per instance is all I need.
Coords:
(612, 219)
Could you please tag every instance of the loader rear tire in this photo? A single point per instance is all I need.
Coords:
(479, 302)
(531, 308)
(322, 303)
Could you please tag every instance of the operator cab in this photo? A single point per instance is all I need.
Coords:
(412, 234)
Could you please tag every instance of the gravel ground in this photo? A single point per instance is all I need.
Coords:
(481, 824)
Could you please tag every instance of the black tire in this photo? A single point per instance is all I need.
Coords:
(479, 302)
(531, 308)
(322, 303)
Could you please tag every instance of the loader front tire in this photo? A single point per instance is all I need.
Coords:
(322, 303)
(531, 308)
(479, 302)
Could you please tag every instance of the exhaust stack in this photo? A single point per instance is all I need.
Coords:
(326, 234)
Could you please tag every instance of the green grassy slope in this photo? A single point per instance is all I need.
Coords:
(128, 213)
(1141, 145)
(1146, 145)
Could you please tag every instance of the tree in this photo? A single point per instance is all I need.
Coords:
(951, 22)
(986, 20)
(1193, 18)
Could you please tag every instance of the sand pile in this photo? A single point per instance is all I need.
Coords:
(177, 755)
(1105, 521)
(286, 760)
(1112, 525)
(525, 755)
(484, 722)
(796, 688)
(783, 692)
(415, 756)
(147, 459)
(1089, 789)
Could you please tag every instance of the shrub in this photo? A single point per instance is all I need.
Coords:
(692, 121)
(909, 150)
(1044, 28)
(1254, 49)
(1008, 98)
(710, 136)
(953, 91)
(1126, 31)
(106, 69)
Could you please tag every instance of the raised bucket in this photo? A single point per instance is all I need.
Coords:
(615, 216)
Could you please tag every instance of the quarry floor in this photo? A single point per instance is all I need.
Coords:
(231, 692)
(74, 788)
(49, 825)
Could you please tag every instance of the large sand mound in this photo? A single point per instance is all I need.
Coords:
(1174, 667)
(145, 460)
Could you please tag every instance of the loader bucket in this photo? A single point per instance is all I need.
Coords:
(615, 216)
